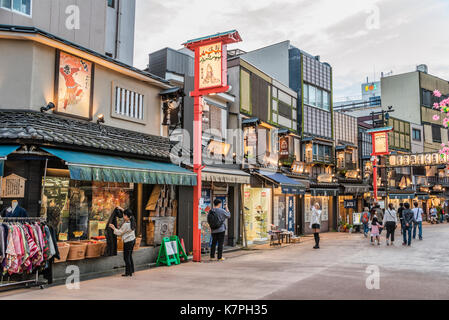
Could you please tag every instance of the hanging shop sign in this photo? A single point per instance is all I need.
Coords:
(283, 148)
(422, 159)
(211, 68)
(380, 142)
(13, 186)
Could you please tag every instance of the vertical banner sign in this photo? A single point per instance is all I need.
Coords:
(291, 214)
(283, 146)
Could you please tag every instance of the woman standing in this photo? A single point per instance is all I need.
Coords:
(315, 224)
(390, 221)
(127, 232)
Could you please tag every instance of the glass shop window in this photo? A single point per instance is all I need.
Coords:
(79, 210)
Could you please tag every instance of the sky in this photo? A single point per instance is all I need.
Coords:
(359, 39)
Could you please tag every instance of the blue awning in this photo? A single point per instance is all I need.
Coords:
(6, 150)
(97, 167)
(288, 186)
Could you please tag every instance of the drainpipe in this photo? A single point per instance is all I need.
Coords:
(117, 31)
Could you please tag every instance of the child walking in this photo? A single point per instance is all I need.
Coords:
(375, 232)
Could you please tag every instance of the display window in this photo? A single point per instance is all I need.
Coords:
(257, 213)
(79, 210)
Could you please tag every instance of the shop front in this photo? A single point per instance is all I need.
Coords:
(350, 201)
(273, 206)
(326, 196)
(224, 184)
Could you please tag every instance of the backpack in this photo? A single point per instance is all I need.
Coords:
(365, 218)
(213, 219)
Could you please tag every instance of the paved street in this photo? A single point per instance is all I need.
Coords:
(337, 271)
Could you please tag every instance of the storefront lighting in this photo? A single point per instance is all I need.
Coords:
(100, 119)
(49, 106)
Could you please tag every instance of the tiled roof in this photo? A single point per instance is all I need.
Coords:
(50, 129)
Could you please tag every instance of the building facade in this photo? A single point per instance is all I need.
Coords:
(104, 26)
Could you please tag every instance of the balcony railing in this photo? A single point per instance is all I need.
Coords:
(317, 158)
(438, 180)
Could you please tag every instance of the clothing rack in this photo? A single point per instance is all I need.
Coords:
(27, 283)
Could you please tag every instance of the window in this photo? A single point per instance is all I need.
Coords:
(436, 133)
(306, 93)
(129, 103)
(21, 6)
(416, 135)
(426, 98)
(326, 101)
(245, 94)
(111, 3)
(312, 95)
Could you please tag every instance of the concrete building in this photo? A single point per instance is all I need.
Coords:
(411, 96)
(104, 26)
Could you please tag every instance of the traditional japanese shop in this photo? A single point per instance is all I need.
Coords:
(76, 191)
(271, 204)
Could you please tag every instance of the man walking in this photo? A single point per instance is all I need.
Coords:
(401, 218)
(216, 219)
(417, 216)
(408, 220)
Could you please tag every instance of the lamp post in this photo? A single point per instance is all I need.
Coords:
(210, 78)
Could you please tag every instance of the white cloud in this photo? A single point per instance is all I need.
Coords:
(410, 32)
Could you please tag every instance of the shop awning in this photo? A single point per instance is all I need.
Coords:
(6, 150)
(214, 174)
(401, 195)
(356, 188)
(289, 186)
(423, 196)
(96, 167)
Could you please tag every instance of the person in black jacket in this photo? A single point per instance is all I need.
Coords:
(111, 238)
(401, 218)
(409, 218)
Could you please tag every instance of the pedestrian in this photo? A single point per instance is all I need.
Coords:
(390, 221)
(440, 213)
(216, 221)
(401, 218)
(433, 215)
(375, 225)
(127, 232)
(365, 221)
(408, 220)
(315, 224)
(417, 215)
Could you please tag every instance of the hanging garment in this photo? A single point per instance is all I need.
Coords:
(111, 238)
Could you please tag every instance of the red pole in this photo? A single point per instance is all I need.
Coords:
(375, 177)
(197, 167)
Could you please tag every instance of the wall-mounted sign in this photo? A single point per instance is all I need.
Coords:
(74, 86)
(352, 174)
(298, 167)
(13, 186)
(283, 148)
(210, 65)
(350, 204)
(325, 177)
